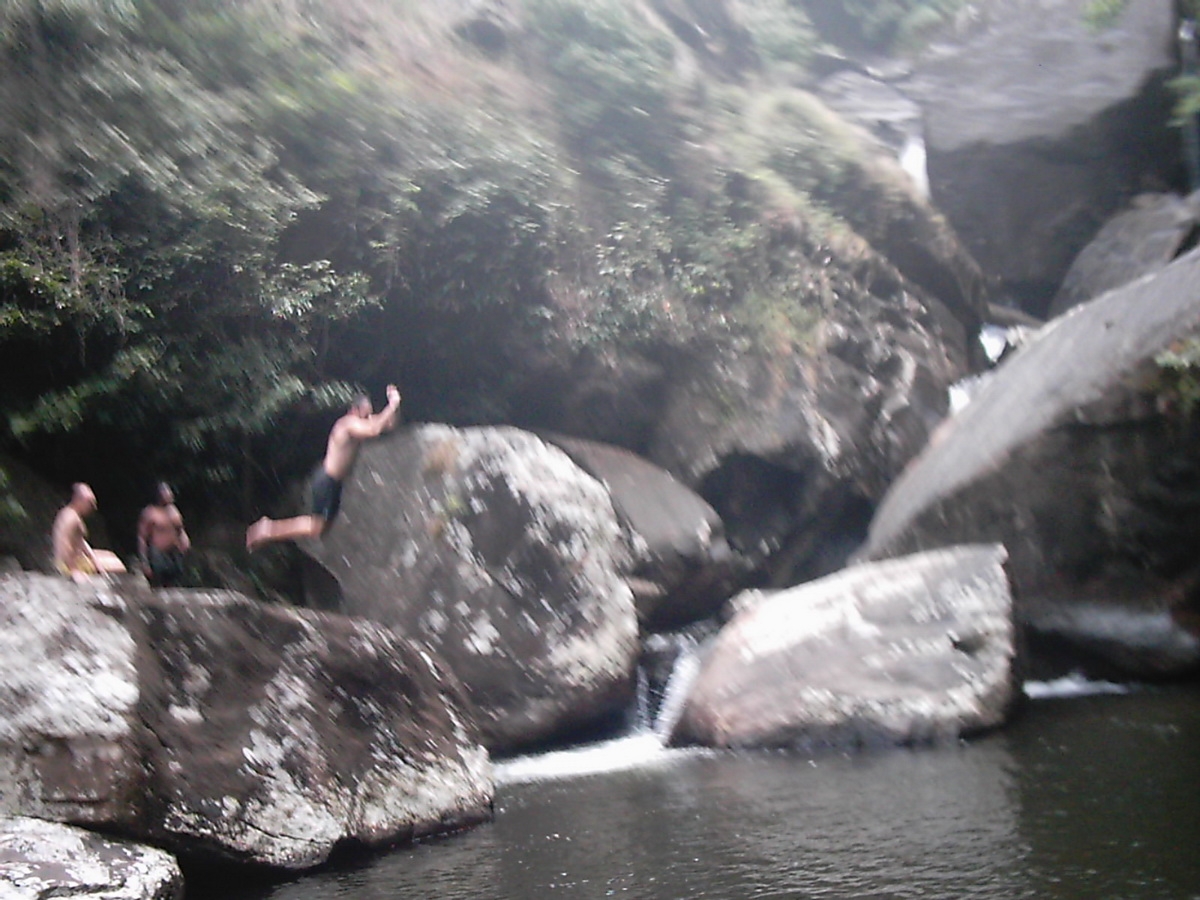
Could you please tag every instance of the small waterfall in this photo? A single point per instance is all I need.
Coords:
(643, 715)
(651, 725)
(913, 162)
(683, 673)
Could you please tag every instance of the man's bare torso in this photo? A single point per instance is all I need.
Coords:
(163, 526)
(342, 448)
(68, 536)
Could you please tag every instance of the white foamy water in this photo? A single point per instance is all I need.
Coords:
(1073, 685)
(640, 750)
(675, 695)
(644, 748)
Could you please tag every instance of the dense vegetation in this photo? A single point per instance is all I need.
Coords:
(218, 218)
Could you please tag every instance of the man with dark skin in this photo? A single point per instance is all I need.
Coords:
(73, 555)
(162, 540)
(348, 432)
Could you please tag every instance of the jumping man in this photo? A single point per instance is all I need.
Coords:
(356, 426)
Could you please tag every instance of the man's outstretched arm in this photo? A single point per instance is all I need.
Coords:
(377, 424)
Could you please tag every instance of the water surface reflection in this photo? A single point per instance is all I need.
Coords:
(1082, 798)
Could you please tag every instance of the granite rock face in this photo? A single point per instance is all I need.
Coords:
(507, 559)
(219, 726)
(794, 451)
(685, 568)
(1137, 241)
(284, 733)
(910, 650)
(46, 859)
(1078, 456)
(1038, 127)
(73, 741)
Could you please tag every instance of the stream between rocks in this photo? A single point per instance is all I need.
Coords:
(1092, 793)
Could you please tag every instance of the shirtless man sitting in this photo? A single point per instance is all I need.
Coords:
(348, 432)
(73, 556)
(162, 540)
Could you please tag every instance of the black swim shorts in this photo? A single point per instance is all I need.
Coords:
(326, 495)
(166, 567)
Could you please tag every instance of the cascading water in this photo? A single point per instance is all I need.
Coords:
(674, 695)
(645, 744)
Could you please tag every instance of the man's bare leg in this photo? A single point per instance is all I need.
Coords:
(266, 531)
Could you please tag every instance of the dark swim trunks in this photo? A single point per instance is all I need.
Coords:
(166, 567)
(326, 496)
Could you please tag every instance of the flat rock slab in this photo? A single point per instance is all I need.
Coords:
(906, 651)
(45, 859)
(1135, 242)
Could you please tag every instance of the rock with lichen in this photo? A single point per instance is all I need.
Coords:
(219, 726)
(503, 555)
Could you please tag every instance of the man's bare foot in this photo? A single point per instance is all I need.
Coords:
(258, 533)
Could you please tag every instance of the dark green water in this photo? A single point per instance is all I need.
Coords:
(1093, 797)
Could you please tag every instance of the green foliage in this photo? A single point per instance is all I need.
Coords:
(219, 217)
(612, 79)
(481, 218)
(1188, 89)
(143, 202)
(11, 510)
(681, 269)
(781, 31)
(1187, 99)
(787, 137)
(1179, 376)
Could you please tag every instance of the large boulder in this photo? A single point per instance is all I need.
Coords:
(46, 859)
(1077, 457)
(900, 652)
(505, 557)
(220, 726)
(1137, 241)
(793, 448)
(685, 568)
(1039, 125)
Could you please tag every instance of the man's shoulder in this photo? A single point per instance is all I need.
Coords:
(350, 427)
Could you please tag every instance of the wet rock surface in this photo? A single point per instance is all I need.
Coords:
(910, 650)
